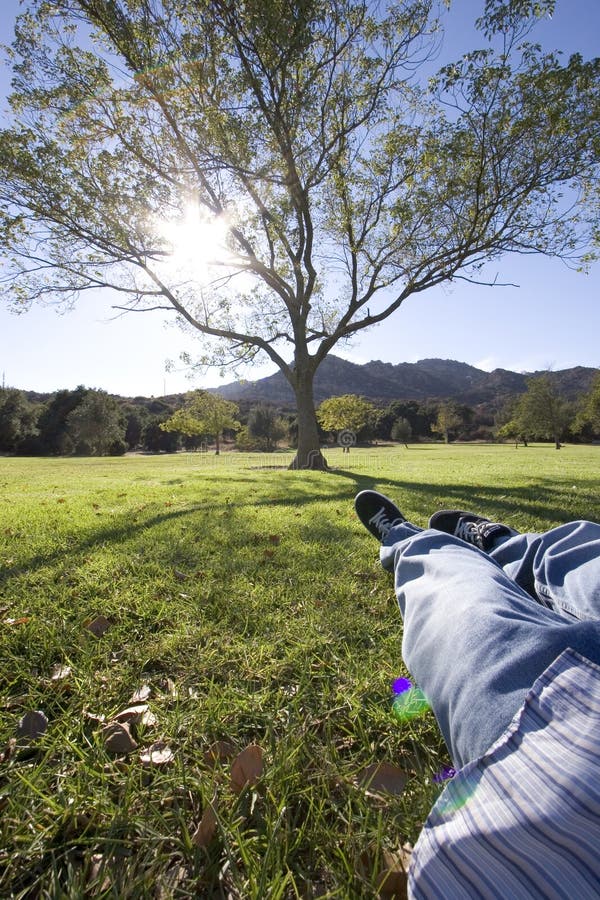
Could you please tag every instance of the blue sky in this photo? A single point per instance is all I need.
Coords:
(552, 319)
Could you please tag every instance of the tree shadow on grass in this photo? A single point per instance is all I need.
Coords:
(541, 500)
(128, 529)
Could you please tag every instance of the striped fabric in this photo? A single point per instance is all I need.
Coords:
(523, 821)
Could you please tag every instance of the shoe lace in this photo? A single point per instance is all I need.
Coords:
(471, 532)
(381, 521)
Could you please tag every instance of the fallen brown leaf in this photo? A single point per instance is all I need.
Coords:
(117, 738)
(219, 751)
(141, 694)
(58, 672)
(133, 714)
(32, 725)
(392, 880)
(22, 620)
(97, 626)
(382, 777)
(157, 754)
(392, 884)
(148, 719)
(204, 833)
(246, 768)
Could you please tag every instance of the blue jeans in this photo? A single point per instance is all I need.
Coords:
(480, 628)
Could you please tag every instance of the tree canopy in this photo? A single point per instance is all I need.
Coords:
(589, 413)
(347, 411)
(206, 414)
(281, 175)
(448, 419)
(540, 412)
(266, 425)
(17, 419)
(96, 426)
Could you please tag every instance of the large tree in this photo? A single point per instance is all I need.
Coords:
(541, 412)
(96, 427)
(276, 173)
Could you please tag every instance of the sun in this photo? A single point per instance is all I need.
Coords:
(198, 243)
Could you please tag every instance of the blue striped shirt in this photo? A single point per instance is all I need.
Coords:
(523, 821)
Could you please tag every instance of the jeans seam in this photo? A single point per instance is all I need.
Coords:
(545, 594)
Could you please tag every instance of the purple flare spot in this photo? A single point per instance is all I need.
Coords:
(445, 773)
(401, 685)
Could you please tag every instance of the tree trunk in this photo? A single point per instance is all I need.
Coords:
(308, 455)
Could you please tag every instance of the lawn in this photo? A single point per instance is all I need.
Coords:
(245, 605)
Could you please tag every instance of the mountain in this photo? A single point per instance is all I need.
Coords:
(425, 379)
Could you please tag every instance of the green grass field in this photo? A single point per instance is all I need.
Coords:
(251, 604)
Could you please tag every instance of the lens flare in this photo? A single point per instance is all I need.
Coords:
(409, 701)
(445, 773)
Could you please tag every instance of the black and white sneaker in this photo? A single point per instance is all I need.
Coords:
(469, 527)
(377, 513)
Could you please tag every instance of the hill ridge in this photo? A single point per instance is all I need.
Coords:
(425, 379)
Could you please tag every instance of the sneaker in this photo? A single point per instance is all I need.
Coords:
(469, 527)
(377, 513)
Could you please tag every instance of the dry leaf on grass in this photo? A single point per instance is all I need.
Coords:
(246, 768)
(390, 869)
(392, 885)
(382, 777)
(58, 672)
(141, 694)
(22, 620)
(171, 689)
(97, 862)
(94, 718)
(392, 879)
(133, 714)
(157, 754)
(219, 751)
(148, 719)
(117, 738)
(208, 824)
(32, 725)
(97, 626)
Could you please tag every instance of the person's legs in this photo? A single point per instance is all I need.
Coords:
(561, 567)
(473, 640)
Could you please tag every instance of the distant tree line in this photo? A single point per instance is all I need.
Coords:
(90, 422)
